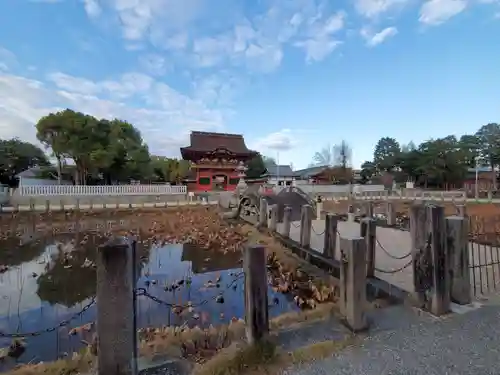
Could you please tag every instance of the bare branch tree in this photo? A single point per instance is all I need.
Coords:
(342, 155)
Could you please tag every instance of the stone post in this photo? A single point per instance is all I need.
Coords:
(458, 252)
(305, 225)
(350, 213)
(368, 230)
(390, 213)
(490, 195)
(461, 210)
(369, 209)
(47, 205)
(256, 304)
(61, 202)
(353, 282)
(420, 254)
(263, 212)
(116, 326)
(330, 238)
(272, 218)
(319, 207)
(436, 233)
(287, 221)
(32, 205)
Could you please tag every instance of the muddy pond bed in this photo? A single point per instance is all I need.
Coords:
(48, 280)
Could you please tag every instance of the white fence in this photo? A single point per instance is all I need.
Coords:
(72, 190)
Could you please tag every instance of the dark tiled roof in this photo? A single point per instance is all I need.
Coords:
(310, 172)
(208, 142)
(281, 170)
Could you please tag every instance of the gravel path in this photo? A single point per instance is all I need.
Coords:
(404, 342)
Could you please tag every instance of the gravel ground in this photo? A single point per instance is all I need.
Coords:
(404, 342)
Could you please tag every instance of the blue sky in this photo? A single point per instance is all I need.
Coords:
(291, 75)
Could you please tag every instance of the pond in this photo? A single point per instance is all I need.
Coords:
(46, 280)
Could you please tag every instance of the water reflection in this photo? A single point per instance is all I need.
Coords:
(50, 279)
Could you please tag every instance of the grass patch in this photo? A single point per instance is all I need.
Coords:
(266, 358)
(239, 358)
(79, 363)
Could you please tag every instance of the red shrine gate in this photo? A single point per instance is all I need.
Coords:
(217, 159)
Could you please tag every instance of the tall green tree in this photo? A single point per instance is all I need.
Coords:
(368, 170)
(17, 156)
(268, 160)
(386, 154)
(489, 141)
(111, 148)
(256, 167)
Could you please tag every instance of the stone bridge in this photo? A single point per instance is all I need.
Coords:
(249, 203)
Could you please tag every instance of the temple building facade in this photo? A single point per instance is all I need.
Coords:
(217, 159)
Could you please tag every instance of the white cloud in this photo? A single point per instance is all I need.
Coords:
(154, 64)
(92, 8)
(200, 36)
(282, 140)
(7, 59)
(320, 42)
(435, 12)
(374, 8)
(165, 117)
(374, 39)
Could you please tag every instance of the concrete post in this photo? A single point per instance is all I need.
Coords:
(319, 209)
(330, 238)
(305, 225)
(368, 230)
(61, 202)
(116, 326)
(436, 232)
(420, 254)
(369, 209)
(350, 213)
(256, 304)
(461, 210)
(458, 252)
(272, 218)
(490, 195)
(263, 212)
(353, 282)
(287, 221)
(32, 205)
(47, 205)
(390, 213)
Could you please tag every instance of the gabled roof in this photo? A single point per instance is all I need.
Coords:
(311, 171)
(202, 142)
(279, 170)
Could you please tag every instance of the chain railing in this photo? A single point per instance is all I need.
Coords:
(395, 270)
(318, 234)
(391, 255)
(63, 323)
(138, 292)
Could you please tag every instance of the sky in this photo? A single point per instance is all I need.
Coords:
(292, 76)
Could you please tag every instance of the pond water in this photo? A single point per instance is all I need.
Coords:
(44, 281)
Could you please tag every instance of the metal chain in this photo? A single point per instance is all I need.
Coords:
(51, 329)
(389, 254)
(394, 270)
(318, 234)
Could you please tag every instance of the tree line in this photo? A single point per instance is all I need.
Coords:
(88, 150)
(442, 162)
